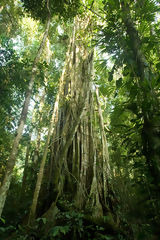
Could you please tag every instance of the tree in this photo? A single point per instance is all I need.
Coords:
(75, 150)
(127, 37)
(12, 158)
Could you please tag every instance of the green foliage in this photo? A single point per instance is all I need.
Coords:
(73, 220)
(38, 9)
(44, 220)
(134, 99)
(58, 230)
(10, 13)
(5, 230)
(2, 220)
(12, 88)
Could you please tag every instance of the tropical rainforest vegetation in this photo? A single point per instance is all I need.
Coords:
(80, 119)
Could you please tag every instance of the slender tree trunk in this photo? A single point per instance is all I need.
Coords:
(12, 158)
(23, 189)
(38, 140)
(41, 170)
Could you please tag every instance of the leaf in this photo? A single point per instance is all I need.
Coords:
(55, 231)
(44, 220)
(65, 229)
(3, 220)
(59, 229)
(20, 227)
(108, 238)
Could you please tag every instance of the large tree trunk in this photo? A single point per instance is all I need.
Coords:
(12, 158)
(74, 91)
(79, 159)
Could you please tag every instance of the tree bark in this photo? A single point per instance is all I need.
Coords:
(79, 168)
(24, 178)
